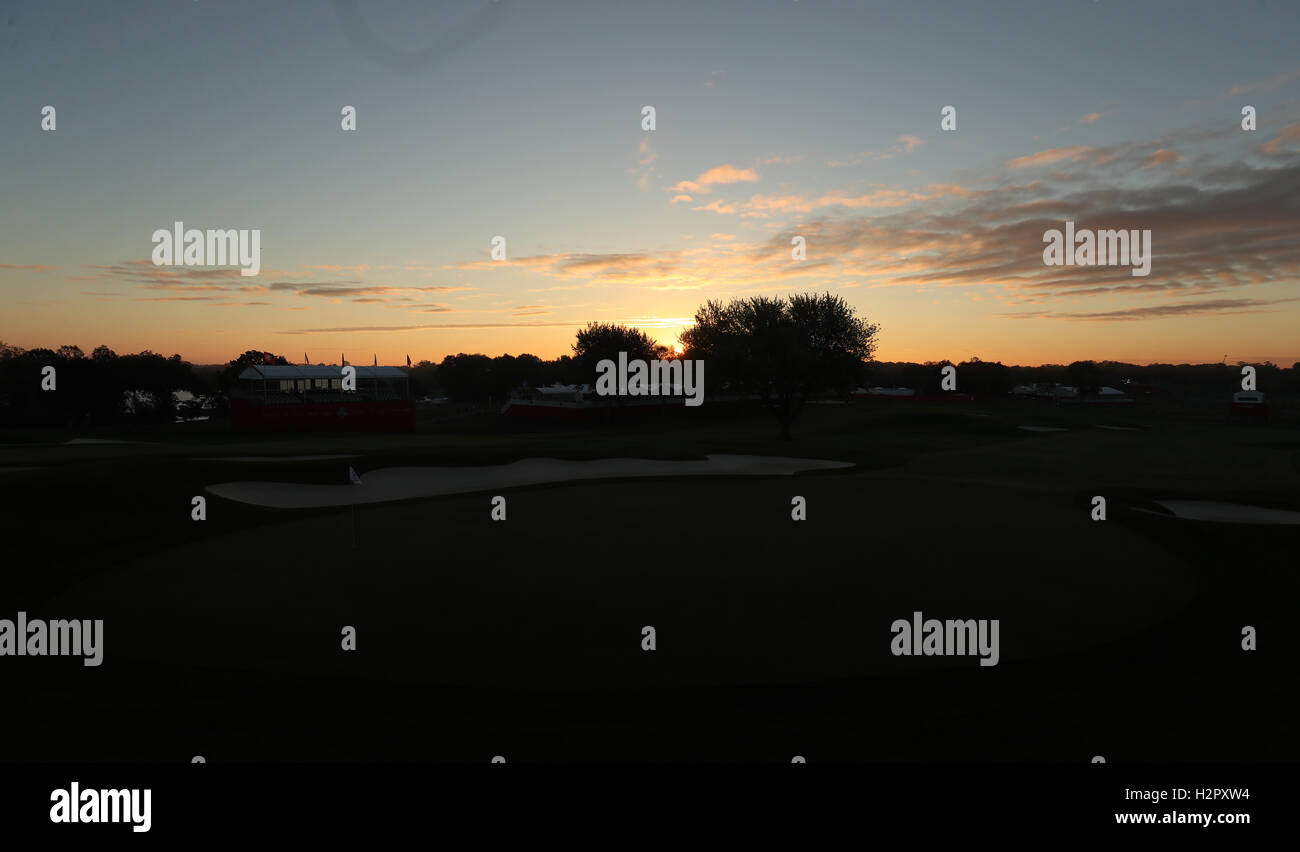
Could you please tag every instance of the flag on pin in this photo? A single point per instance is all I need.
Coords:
(352, 475)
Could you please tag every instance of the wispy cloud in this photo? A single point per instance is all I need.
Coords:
(421, 327)
(717, 175)
(1285, 143)
(1073, 153)
(1215, 306)
(1159, 158)
(905, 144)
(645, 164)
(1267, 84)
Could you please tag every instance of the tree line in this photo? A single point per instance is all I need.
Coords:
(778, 351)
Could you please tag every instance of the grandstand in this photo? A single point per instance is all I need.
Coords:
(304, 397)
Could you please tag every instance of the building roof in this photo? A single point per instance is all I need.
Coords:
(291, 371)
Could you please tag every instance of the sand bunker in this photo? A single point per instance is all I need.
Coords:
(276, 458)
(408, 483)
(1043, 428)
(1228, 513)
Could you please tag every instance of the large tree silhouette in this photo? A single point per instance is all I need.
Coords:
(599, 341)
(784, 350)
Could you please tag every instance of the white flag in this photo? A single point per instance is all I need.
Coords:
(352, 474)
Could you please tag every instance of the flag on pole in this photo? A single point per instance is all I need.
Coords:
(352, 475)
(376, 360)
(342, 363)
(408, 361)
(305, 360)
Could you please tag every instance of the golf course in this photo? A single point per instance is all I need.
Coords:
(515, 627)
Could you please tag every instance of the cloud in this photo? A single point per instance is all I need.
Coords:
(1219, 229)
(190, 281)
(910, 143)
(905, 144)
(766, 204)
(727, 174)
(645, 167)
(359, 269)
(1160, 157)
(1090, 118)
(718, 206)
(1282, 142)
(1266, 84)
(175, 299)
(1051, 155)
(718, 175)
(1217, 306)
(39, 267)
(374, 328)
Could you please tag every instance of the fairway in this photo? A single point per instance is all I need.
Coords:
(542, 599)
(950, 512)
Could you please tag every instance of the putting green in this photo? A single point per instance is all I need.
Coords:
(557, 595)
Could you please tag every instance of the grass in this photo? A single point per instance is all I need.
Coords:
(485, 636)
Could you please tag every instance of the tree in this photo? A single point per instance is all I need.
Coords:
(1086, 377)
(102, 353)
(784, 350)
(983, 378)
(600, 341)
(465, 377)
(252, 358)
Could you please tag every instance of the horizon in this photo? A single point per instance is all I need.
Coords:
(381, 239)
(415, 362)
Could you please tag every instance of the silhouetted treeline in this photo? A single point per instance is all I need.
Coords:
(107, 387)
(478, 378)
(104, 387)
(985, 378)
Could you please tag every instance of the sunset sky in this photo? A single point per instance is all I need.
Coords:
(774, 119)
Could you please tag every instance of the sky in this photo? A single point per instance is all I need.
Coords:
(774, 119)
